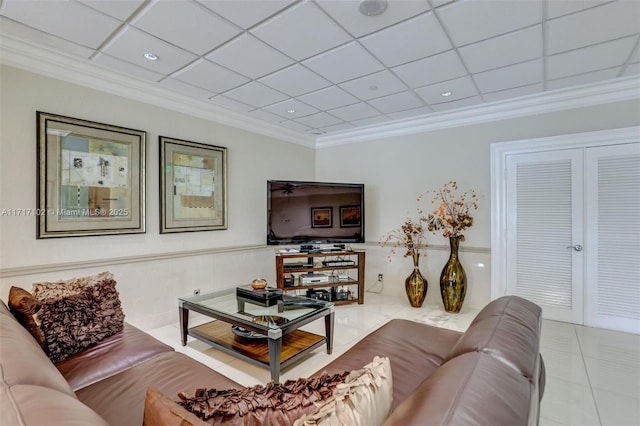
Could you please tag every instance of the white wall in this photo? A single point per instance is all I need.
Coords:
(396, 170)
(149, 286)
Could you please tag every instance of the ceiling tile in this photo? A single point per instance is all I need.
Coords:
(23, 32)
(295, 80)
(265, 115)
(186, 89)
(518, 46)
(438, 3)
(513, 93)
(410, 40)
(290, 109)
(69, 20)
(295, 125)
(246, 13)
(512, 76)
(613, 20)
(210, 76)
(396, 102)
(354, 112)
(460, 88)
(586, 78)
(256, 94)
(186, 25)
(296, 31)
(132, 43)
(347, 14)
(369, 121)
(337, 127)
(601, 56)
(461, 19)
(354, 62)
(374, 86)
(411, 113)
(462, 103)
(559, 8)
(632, 69)
(321, 119)
(433, 69)
(329, 98)
(223, 101)
(249, 56)
(126, 67)
(121, 9)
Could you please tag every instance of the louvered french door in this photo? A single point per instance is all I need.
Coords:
(572, 233)
(544, 231)
(613, 237)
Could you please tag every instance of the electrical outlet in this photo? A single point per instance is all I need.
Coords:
(196, 291)
(380, 277)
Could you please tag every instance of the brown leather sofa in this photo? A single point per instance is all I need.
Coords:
(490, 375)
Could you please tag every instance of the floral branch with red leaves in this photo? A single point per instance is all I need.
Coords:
(452, 214)
(410, 236)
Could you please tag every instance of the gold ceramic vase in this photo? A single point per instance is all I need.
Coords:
(415, 284)
(453, 280)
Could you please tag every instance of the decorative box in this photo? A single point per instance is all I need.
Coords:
(267, 296)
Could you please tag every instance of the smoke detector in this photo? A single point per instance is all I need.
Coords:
(373, 7)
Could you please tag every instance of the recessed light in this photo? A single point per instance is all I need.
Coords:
(446, 94)
(291, 110)
(372, 7)
(151, 56)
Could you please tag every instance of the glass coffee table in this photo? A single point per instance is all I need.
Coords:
(268, 336)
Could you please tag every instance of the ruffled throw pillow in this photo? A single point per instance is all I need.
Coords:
(78, 313)
(274, 403)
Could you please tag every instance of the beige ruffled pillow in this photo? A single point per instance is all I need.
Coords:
(364, 399)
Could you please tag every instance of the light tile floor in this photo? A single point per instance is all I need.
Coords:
(593, 375)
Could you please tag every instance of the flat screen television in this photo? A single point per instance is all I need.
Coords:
(314, 212)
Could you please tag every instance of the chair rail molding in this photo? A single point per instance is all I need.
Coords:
(95, 263)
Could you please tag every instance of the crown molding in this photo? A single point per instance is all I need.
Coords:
(63, 66)
(615, 90)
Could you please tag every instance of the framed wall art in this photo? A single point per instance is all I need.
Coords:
(91, 178)
(350, 216)
(193, 186)
(322, 217)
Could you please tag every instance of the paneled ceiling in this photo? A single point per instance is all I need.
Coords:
(324, 67)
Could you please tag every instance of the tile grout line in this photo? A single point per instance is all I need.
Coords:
(584, 364)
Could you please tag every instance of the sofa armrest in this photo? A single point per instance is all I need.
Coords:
(508, 329)
(473, 389)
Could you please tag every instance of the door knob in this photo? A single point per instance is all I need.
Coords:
(577, 247)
